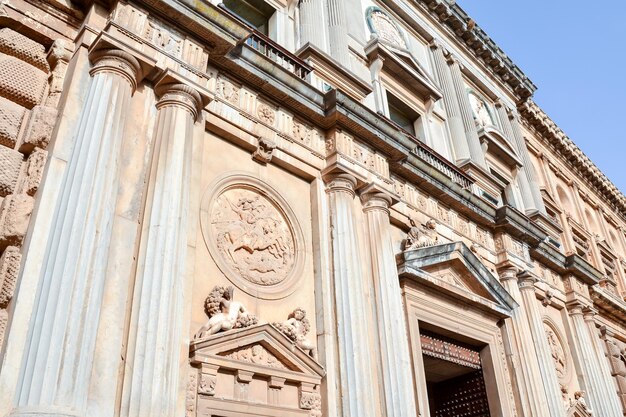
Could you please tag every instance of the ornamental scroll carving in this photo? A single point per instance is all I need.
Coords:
(253, 236)
(557, 352)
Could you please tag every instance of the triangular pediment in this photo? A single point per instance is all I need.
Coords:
(453, 269)
(578, 410)
(261, 346)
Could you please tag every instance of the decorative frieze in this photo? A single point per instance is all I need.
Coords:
(342, 143)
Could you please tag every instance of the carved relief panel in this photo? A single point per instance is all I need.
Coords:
(252, 235)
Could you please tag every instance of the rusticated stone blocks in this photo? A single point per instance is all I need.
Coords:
(15, 212)
(40, 126)
(9, 270)
(21, 82)
(34, 170)
(11, 116)
(23, 48)
(4, 320)
(10, 166)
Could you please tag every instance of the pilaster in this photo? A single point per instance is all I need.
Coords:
(522, 174)
(529, 172)
(392, 330)
(338, 31)
(355, 368)
(532, 394)
(471, 133)
(451, 103)
(609, 390)
(56, 368)
(156, 335)
(311, 13)
(587, 362)
(552, 389)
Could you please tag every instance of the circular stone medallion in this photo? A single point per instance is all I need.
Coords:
(252, 235)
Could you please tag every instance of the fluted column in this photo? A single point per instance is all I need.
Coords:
(155, 339)
(532, 394)
(467, 117)
(544, 354)
(529, 172)
(337, 32)
(609, 390)
(522, 174)
(356, 383)
(451, 103)
(587, 363)
(57, 364)
(311, 14)
(392, 333)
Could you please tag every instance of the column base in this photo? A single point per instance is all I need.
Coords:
(45, 411)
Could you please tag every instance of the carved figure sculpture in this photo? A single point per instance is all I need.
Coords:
(253, 237)
(558, 355)
(224, 313)
(579, 399)
(420, 237)
(482, 117)
(295, 328)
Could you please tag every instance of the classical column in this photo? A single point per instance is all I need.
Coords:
(337, 32)
(522, 150)
(451, 103)
(552, 388)
(56, 368)
(609, 390)
(156, 333)
(588, 363)
(532, 394)
(311, 13)
(356, 383)
(471, 133)
(392, 333)
(522, 177)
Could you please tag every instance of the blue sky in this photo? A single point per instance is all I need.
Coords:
(575, 52)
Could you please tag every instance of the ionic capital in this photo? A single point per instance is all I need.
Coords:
(118, 62)
(341, 183)
(508, 273)
(526, 281)
(179, 95)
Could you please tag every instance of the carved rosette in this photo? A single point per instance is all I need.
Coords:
(253, 236)
(206, 384)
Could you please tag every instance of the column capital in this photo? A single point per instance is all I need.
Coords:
(526, 281)
(589, 314)
(436, 44)
(118, 62)
(180, 95)
(340, 182)
(575, 307)
(376, 201)
(508, 273)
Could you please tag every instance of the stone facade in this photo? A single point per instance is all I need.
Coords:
(295, 208)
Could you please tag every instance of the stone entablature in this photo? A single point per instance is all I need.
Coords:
(554, 138)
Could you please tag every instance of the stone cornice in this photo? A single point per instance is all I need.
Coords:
(553, 137)
(454, 18)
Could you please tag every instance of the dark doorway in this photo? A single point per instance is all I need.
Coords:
(454, 378)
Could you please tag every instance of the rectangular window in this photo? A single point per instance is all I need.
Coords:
(403, 115)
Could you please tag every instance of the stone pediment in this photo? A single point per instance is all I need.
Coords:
(454, 270)
(261, 346)
(578, 410)
(255, 371)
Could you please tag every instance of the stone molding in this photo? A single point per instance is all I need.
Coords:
(552, 136)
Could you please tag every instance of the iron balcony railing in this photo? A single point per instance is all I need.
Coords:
(267, 47)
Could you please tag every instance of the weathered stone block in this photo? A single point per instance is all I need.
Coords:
(10, 165)
(9, 270)
(21, 82)
(34, 170)
(23, 48)
(39, 130)
(4, 321)
(11, 116)
(15, 212)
